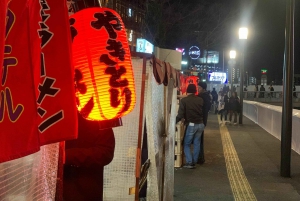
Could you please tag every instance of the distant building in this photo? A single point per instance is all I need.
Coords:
(252, 80)
(238, 76)
(263, 80)
(235, 75)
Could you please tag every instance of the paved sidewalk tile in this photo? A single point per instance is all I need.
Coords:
(258, 154)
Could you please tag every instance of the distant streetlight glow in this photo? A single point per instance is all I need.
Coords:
(243, 33)
(232, 54)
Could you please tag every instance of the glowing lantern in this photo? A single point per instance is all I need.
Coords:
(103, 69)
(192, 80)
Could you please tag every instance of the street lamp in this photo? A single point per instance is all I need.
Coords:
(243, 35)
(232, 55)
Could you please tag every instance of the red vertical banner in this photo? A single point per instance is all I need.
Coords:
(183, 83)
(3, 11)
(18, 133)
(56, 107)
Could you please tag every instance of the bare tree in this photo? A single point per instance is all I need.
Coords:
(169, 22)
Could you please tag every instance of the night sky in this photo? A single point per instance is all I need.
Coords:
(265, 46)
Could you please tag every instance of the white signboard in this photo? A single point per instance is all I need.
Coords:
(217, 77)
(143, 45)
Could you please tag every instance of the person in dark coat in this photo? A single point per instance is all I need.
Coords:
(214, 98)
(223, 107)
(85, 159)
(256, 91)
(190, 111)
(234, 106)
(271, 90)
(262, 94)
(207, 101)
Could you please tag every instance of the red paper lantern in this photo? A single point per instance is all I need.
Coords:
(192, 80)
(103, 69)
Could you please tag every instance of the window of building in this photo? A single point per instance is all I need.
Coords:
(130, 12)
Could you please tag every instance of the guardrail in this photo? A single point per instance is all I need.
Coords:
(274, 96)
(269, 118)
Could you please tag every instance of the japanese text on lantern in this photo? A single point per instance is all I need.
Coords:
(46, 88)
(118, 52)
(109, 67)
(9, 61)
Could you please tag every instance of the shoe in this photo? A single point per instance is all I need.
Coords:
(235, 123)
(194, 165)
(189, 166)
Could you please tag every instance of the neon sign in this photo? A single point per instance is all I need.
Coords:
(194, 52)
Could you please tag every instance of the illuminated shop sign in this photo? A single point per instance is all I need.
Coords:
(213, 57)
(143, 45)
(264, 71)
(182, 50)
(217, 77)
(194, 52)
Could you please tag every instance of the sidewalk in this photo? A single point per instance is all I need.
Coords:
(254, 169)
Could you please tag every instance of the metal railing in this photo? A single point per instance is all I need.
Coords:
(268, 96)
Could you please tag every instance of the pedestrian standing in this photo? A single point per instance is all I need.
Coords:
(215, 98)
(234, 106)
(85, 158)
(223, 107)
(262, 93)
(245, 92)
(256, 91)
(294, 92)
(271, 90)
(207, 100)
(190, 111)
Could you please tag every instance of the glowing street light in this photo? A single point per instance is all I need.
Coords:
(232, 54)
(243, 33)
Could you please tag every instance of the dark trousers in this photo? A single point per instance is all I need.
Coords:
(201, 154)
(223, 112)
(234, 114)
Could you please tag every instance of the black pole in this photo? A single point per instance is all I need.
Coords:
(287, 107)
(231, 84)
(242, 82)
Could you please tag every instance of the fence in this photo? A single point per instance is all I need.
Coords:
(269, 118)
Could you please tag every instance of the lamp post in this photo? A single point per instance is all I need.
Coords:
(232, 55)
(287, 106)
(243, 35)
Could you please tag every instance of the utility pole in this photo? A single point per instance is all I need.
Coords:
(287, 107)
